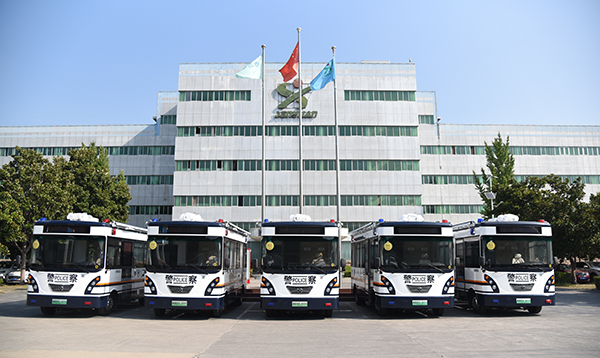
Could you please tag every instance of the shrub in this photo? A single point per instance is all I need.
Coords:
(563, 278)
(347, 271)
(597, 282)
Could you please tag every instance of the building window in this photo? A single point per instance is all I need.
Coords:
(351, 95)
(452, 209)
(168, 119)
(150, 210)
(149, 179)
(216, 200)
(374, 131)
(426, 119)
(319, 165)
(380, 200)
(319, 131)
(320, 200)
(379, 165)
(209, 96)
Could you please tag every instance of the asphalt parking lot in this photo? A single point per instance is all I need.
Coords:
(571, 328)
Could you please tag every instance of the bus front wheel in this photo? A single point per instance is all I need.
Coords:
(110, 305)
(478, 307)
(438, 311)
(534, 309)
(48, 311)
(159, 312)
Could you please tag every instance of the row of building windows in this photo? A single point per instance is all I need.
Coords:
(142, 150)
(216, 200)
(276, 131)
(206, 96)
(150, 210)
(292, 200)
(379, 165)
(585, 179)
(468, 179)
(426, 119)
(480, 150)
(448, 179)
(213, 165)
(380, 200)
(292, 165)
(452, 209)
(149, 179)
(452, 149)
(130, 150)
(351, 95)
(374, 131)
(168, 119)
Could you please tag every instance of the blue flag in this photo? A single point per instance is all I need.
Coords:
(324, 77)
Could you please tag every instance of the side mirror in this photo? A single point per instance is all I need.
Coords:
(342, 263)
(481, 261)
(377, 262)
(227, 263)
(254, 264)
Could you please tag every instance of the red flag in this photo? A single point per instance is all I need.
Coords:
(290, 70)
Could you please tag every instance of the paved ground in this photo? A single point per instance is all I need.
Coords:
(571, 328)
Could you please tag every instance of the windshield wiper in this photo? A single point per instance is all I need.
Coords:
(198, 268)
(80, 267)
(437, 268)
(318, 268)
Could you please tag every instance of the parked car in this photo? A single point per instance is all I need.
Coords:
(14, 277)
(6, 266)
(582, 276)
(592, 267)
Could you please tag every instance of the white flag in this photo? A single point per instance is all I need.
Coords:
(253, 70)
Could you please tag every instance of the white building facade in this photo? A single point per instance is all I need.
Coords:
(204, 154)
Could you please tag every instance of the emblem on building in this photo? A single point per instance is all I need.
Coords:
(291, 97)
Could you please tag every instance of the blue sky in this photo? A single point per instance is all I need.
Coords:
(103, 62)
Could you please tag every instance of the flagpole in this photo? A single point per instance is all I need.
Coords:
(264, 181)
(337, 147)
(300, 166)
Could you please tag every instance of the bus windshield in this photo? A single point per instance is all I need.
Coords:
(300, 254)
(184, 254)
(68, 253)
(400, 253)
(517, 251)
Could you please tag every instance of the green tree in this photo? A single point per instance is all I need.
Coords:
(96, 191)
(31, 187)
(501, 167)
(559, 202)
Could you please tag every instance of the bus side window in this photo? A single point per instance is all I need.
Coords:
(472, 254)
(127, 254)
(139, 254)
(113, 254)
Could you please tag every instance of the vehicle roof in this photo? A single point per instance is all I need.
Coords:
(298, 223)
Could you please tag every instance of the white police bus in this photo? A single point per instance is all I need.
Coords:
(84, 263)
(405, 264)
(300, 265)
(195, 265)
(504, 262)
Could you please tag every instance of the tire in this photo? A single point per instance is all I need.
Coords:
(477, 306)
(327, 313)
(380, 310)
(534, 309)
(48, 311)
(110, 305)
(217, 313)
(159, 312)
(141, 301)
(438, 311)
(359, 301)
(270, 313)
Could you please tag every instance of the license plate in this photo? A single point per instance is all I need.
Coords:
(180, 279)
(61, 278)
(522, 301)
(178, 303)
(521, 277)
(418, 279)
(58, 301)
(419, 302)
(299, 304)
